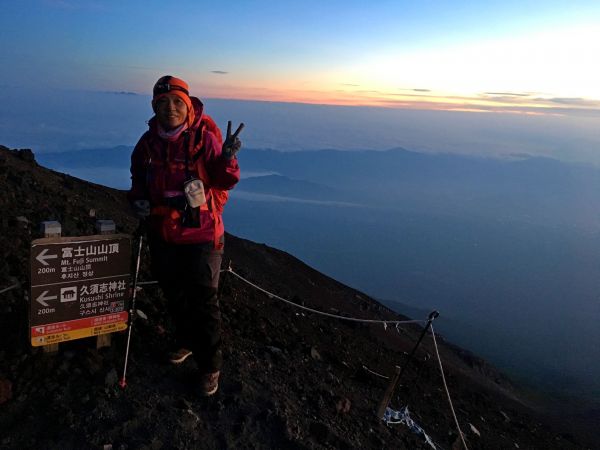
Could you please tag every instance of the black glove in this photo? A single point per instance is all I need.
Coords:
(141, 208)
(232, 143)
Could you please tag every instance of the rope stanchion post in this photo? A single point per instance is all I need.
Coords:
(224, 282)
(387, 397)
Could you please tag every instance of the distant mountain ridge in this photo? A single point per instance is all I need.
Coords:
(536, 189)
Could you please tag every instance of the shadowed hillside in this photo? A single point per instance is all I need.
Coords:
(291, 379)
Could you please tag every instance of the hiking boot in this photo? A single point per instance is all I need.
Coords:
(179, 355)
(210, 383)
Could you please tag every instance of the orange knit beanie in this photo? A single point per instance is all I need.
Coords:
(176, 86)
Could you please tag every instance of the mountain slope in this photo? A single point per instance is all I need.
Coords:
(291, 379)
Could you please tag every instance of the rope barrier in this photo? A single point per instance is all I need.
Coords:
(446, 388)
(389, 412)
(334, 316)
(390, 416)
(147, 283)
(16, 285)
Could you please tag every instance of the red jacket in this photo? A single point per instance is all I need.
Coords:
(158, 171)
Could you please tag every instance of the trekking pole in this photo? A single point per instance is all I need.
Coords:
(140, 232)
(399, 371)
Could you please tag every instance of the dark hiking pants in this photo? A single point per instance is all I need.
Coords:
(189, 277)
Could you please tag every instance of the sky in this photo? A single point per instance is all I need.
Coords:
(535, 57)
(488, 78)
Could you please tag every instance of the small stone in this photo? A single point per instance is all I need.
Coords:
(193, 414)
(111, 378)
(343, 406)
(22, 221)
(274, 350)
(315, 354)
(474, 430)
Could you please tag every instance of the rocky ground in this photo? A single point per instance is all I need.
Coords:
(291, 379)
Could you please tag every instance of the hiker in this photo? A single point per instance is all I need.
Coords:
(181, 171)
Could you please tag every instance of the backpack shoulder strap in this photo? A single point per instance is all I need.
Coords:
(210, 125)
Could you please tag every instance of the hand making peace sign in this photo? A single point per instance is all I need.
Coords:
(232, 143)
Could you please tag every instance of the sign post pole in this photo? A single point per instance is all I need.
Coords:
(104, 227)
(50, 229)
